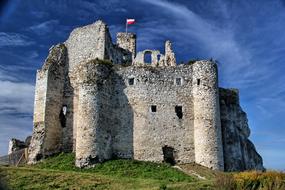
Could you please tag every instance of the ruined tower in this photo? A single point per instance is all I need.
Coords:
(128, 42)
(207, 124)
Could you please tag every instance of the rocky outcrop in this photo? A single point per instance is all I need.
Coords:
(239, 152)
(15, 144)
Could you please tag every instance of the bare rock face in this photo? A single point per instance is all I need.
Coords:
(239, 152)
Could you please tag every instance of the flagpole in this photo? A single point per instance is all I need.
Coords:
(126, 27)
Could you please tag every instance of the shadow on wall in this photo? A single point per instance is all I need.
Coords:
(123, 120)
(66, 115)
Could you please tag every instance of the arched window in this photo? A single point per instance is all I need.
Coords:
(147, 57)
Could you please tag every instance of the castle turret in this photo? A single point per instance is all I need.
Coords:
(127, 41)
(93, 135)
(207, 124)
(169, 55)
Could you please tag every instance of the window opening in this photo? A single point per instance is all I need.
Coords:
(147, 57)
(62, 116)
(131, 81)
(168, 155)
(153, 108)
(198, 82)
(178, 111)
(178, 81)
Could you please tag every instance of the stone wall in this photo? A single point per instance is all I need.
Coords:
(47, 132)
(127, 41)
(157, 58)
(169, 54)
(239, 152)
(156, 88)
(137, 112)
(86, 43)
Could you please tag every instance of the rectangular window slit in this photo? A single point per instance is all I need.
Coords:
(198, 82)
(178, 111)
(131, 81)
(153, 108)
(178, 81)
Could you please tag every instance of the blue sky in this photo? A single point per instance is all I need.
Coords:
(246, 37)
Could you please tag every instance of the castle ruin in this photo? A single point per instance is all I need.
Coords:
(103, 100)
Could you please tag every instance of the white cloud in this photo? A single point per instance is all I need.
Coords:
(16, 107)
(218, 42)
(16, 97)
(45, 27)
(14, 39)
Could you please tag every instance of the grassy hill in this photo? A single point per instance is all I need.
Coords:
(59, 172)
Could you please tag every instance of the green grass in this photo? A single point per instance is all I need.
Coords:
(59, 172)
(119, 168)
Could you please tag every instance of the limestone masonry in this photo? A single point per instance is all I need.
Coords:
(103, 100)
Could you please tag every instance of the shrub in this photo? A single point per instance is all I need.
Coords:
(225, 182)
(254, 180)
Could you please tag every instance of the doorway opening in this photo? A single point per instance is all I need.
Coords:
(168, 155)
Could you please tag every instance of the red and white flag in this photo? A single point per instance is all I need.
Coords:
(131, 21)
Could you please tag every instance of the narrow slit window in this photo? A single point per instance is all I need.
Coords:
(62, 116)
(153, 108)
(178, 111)
(178, 81)
(131, 81)
(198, 82)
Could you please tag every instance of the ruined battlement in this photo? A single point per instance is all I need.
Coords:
(105, 100)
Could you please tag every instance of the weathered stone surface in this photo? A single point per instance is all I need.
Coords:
(47, 133)
(125, 108)
(239, 152)
(207, 125)
(169, 54)
(127, 41)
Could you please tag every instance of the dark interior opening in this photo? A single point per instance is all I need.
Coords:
(168, 155)
(38, 157)
(153, 108)
(198, 82)
(131, 81)
(147, 57)
(178, 81)
(178, 111)
(62, 116)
